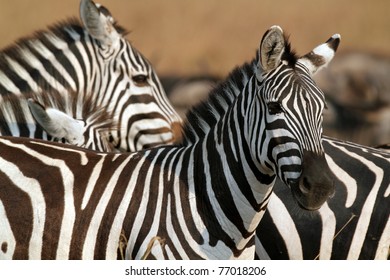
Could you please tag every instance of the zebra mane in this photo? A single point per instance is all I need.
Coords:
(289, 54)
(219, 100)
(60, 30)
(222, 96)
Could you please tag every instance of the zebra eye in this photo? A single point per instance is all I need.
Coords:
(275, 108)
(140, 80)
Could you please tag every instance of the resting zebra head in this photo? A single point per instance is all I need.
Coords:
(291, 107)
(93, 56)
(146, 117)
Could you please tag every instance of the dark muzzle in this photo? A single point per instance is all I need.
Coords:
(315, 185)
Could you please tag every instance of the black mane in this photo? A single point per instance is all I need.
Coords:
(61, 30)
(289, 54)
(58, 29)
(226, 91)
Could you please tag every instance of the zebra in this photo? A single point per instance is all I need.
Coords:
(354, 224)
(75, 203)
(299, 235)
(91, 57)
(53, 113)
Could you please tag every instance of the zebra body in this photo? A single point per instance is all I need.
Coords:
(354, 224)
(205, 197)
(91, 58)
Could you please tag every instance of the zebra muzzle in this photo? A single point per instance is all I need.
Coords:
(316, 184)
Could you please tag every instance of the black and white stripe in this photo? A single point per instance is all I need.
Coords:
(91, 58)
(52, 112)
(354, 224)
(205, 197)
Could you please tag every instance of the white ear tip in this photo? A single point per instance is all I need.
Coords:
(336, 36)
(276, 27)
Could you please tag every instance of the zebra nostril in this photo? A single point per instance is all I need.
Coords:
(304, 186)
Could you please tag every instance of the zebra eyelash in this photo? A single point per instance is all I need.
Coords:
(140, 80)
(274, 108)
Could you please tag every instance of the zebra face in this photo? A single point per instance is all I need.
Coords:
(293, 106)
(147, 119)
(93, 60)
(129, 85)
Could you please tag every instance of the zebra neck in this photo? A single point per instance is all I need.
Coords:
(204, 116)
(231, 187)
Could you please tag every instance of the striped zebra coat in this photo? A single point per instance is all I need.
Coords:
(91, 57)
(354, 224)
(53, 113)
(205, 197)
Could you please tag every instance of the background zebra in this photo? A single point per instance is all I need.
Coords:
(71, 212)
(354, 224)
(95, 59)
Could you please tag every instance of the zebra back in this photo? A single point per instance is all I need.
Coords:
(93, 57)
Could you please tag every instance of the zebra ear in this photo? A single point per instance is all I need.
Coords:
(98, 22)
(271, 48)
(319, 57)
(57, 123)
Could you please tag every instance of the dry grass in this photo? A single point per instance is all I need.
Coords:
(123, 244)
(151, 244)
(210, 36)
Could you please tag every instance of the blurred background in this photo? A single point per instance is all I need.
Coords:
(194, 44)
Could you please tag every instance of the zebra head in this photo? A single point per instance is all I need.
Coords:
(292, 105)
(128, 85)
